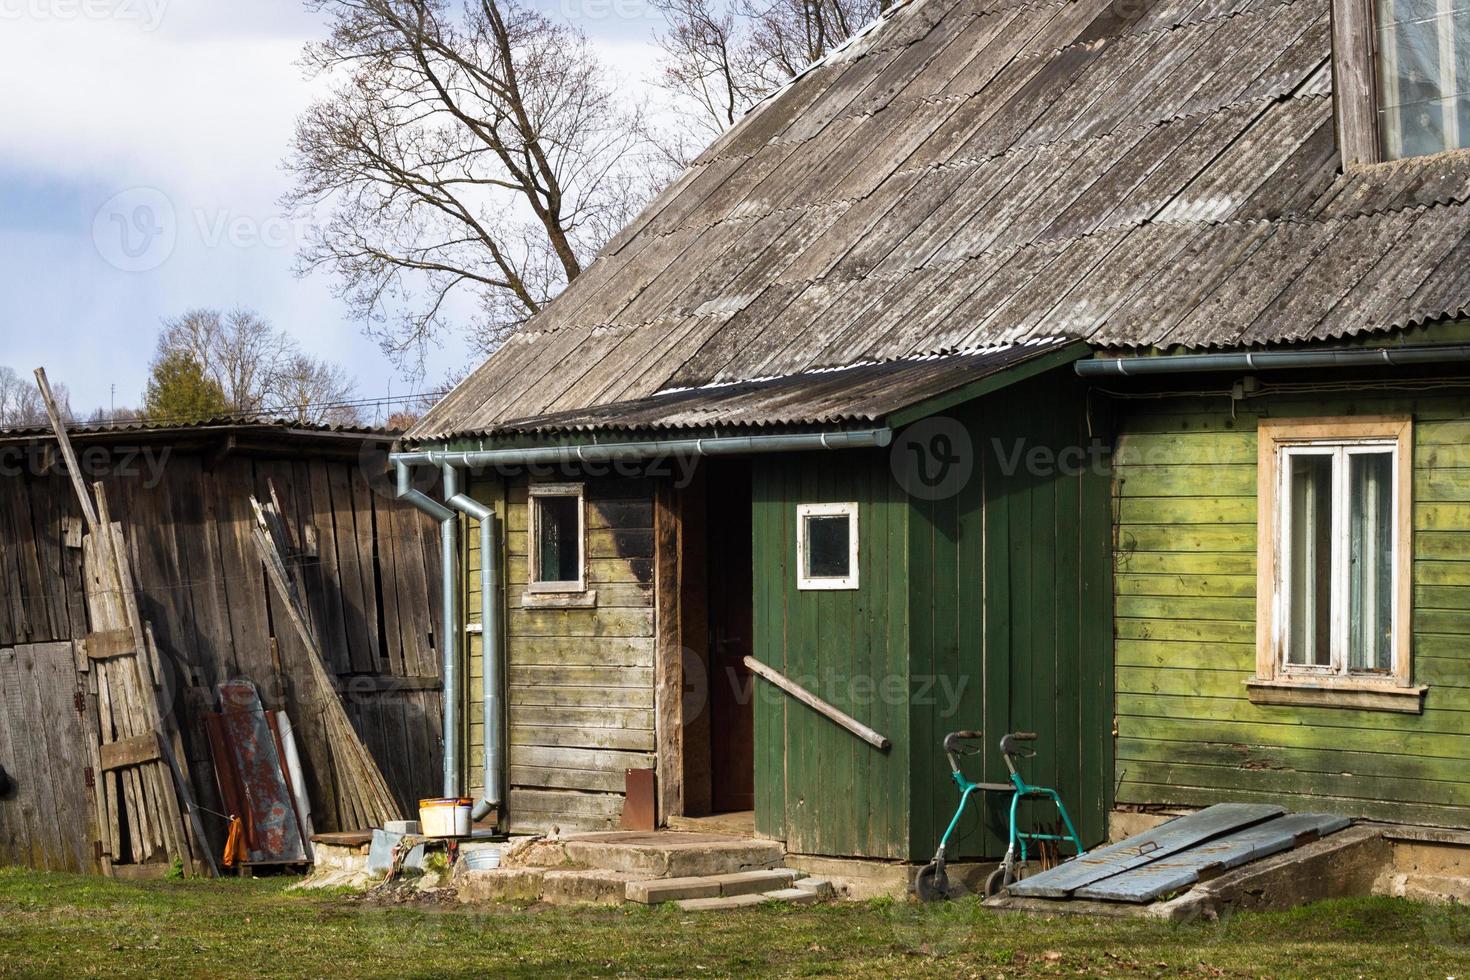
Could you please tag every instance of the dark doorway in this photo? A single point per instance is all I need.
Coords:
(731, 598)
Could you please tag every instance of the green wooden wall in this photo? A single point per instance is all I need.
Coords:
(817, 786)
(1185, 622)
(1014, 572)
(988, 608)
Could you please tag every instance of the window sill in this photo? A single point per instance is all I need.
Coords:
(1324, 693)
(559, 600)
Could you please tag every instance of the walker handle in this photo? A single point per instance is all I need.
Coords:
(1008, 746)
(953, 749)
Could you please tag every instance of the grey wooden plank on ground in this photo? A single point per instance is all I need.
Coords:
(1164, 840)
(1171, 874)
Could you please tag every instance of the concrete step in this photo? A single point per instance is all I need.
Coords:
(656, 890)
(793, 896)
(660, 854)
(556, 886)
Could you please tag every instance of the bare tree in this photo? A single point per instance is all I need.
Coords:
(721, 58)
(238, 350)
(316, 391)
(469, 148)
(21, 405)
(259, 369)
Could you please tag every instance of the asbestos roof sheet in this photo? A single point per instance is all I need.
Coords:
(976, 173)
(863, 393)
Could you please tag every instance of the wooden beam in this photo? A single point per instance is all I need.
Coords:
(89, 511)
(109, 644)
(818, 705)
(130, 752)
(1354, 92)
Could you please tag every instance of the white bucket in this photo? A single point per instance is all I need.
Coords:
(445, 817)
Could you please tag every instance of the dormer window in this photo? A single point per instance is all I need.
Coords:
(1401, 77)
(1423, 76)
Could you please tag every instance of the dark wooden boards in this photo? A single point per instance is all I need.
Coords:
(199, 583)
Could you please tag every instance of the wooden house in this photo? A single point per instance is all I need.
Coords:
(943, 385)
(182, 495)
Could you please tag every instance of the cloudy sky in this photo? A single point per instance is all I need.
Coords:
(117, 110)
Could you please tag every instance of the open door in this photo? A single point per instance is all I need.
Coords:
(731, 690)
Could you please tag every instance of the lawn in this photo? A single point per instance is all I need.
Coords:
(62, 924)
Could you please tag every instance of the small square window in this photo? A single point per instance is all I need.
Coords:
(827, 546)
(557, 536)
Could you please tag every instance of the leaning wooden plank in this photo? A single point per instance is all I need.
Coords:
(360, 772)
(1170, 874)
(1154, 845)
(67, 453)
(817, 704)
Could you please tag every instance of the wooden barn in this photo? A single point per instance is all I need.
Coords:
(1088, 367)
(182, 495)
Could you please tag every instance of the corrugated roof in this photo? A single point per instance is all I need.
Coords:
(222, 423)
(979, 172)
(856, 394)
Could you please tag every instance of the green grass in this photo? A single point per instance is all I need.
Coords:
(62, 924)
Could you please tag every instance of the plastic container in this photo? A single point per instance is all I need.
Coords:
(448, 817)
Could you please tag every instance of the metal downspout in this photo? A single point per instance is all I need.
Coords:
(492, 706)
(449, 645)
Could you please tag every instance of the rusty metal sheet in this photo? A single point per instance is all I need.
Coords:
(252, 776)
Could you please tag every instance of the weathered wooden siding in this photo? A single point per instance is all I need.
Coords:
(373, 578)
(984, 609)
(817, 786)
(1185, 608)
(47, 818)
(1009, 604)
(580, 680)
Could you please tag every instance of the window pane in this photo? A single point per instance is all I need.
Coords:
(1309, 556)
(1370, 561)
(558, 544)
(828, 546)
(1423, 81)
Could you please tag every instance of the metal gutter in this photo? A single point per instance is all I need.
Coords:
(1271, 360)
(449, 597)
(492, 708)
(608, 451)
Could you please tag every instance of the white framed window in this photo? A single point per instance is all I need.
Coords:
(557, 538)
(1335, 562)
(827, 546)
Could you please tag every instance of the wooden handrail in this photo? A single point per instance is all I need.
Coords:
(818, 705)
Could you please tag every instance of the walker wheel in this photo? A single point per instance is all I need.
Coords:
(932, 883)
(998, 880)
